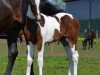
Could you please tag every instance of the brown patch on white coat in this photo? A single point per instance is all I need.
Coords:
(61, 27)
(69, 27)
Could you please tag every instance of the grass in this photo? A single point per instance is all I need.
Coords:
(55, 61)
(54, 66)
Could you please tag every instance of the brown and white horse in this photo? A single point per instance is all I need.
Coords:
(12, 20)
(63, 27)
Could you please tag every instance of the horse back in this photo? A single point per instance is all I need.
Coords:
(93, 34)
(90, 34)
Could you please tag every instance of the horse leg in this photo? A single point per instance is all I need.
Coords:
(73, 57)
(32, 72)
(18, 40)
(37, 7)
(30, 54)
(12, 54)
(89, 42)
(40, 47)
(92, 43)
(12, 46)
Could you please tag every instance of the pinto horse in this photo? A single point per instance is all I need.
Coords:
(88, 39)
(61, 27)
(12, 20)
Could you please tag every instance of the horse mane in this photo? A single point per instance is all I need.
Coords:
(49, 9)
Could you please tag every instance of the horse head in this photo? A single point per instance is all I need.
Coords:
(49, 9)
(35, 6)
(84, 44)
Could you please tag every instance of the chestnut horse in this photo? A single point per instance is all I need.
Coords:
(61, 27)
(12, 20)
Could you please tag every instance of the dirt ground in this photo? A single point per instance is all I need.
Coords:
(95, 53)
(2, 41)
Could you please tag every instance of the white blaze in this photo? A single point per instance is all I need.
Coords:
(37, 2)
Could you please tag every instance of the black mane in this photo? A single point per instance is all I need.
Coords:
(49, 9)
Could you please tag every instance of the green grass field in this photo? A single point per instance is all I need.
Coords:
(55, 61)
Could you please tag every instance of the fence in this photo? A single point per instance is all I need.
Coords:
(95, 25)
(86, 11)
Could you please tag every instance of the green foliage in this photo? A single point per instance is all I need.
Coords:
(54, 66)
